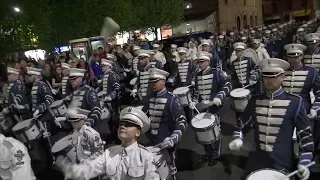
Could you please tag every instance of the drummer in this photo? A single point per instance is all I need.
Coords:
(86, 140)
(16, 100)
(210, 85)
(127, 161)
(15, 162)
(168, 120)
(274, 115)
(66, 89)
(84, 97)
(135, 50)
(312, 56)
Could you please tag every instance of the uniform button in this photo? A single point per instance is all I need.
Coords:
(291, 86)
(270, 106)
(268, 124)
(269, 115)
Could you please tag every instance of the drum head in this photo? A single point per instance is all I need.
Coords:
(22, 125)
(62, 144)
(267, 174)
(181, 90)
(139, 107)
(203, 120)
(239, 92)
(56, 103)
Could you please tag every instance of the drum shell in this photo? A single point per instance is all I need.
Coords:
(282, 172)
(69, 151)
(240, 103)
(185, 98)
(6, 124)
(28, 133)
(209, 134)
(59, 109)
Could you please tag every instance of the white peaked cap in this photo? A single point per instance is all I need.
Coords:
(156, 45)
(312, 37)
(239, 45)
(204, 56)
(156, 74)
(11, 70)
(34, 71)
(182, 50)
(76, 72)
(272, 67)
(136, 48)
(76, 114)
(136, 116)
(294, 49)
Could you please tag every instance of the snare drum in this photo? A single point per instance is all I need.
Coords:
(6, 124)
(58, 108)
(240, 98)
(160, 162)
(206, 127)
(64, 147)
(184, 95)
(27, 130)
(267, 174)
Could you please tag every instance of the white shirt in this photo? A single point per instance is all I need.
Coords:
(160, 57)
(118, 163)
(15, 162)
(88, 143)
(262, 53)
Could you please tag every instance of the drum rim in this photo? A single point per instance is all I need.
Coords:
(281, 171)
(185, 93)
(57, 105)
(205, 128)
(29, 126)
(243, 97)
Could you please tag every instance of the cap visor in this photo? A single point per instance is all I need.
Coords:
(153, 80)
(271, 74)
(129, 121)
(73, 77)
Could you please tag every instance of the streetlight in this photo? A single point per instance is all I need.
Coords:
(16, 9)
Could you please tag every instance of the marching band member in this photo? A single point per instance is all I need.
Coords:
(135, 60)
(243, 67)
(192, 51)
(274, 115)
(174, 52)
(261, 51)
(206, 46)
(210, 85)
(299, 37)
(15, 162)
(167, 117)
(143, 66)
(41, 93)
(66, 87)
(312, 57)
(127, 161)
(16, 100)
(186, 68)
(158, 55)
(301, 79)
(84, 97)
(153, 61)
(87, 141)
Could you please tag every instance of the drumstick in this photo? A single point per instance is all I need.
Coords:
(296, 171)
(195, 108)
(246, 86)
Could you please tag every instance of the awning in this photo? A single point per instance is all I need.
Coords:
(299, 13)
(271, 18)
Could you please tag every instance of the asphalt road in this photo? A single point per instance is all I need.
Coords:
(231, 163)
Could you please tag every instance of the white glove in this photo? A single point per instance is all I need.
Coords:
(192, 105)
(124, 74)
(5, 111)
(133, 93)
(303, 173)
(251, 82)
(236, 144)
(18, 106)
(170, 80)
(108, 99)
(54, 92)
(127, 70)
(36, 113)
(313, 113)
(217, 101)
(167, 143)
(206, 102)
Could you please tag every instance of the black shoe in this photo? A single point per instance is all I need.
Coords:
(212, 162)
(204, 159)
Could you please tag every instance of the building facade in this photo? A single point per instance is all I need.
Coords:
(239, 14)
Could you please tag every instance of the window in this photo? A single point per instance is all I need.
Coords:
(304, 3)
(274, 8)
(244, 2)
(251, 21)
(256, 20)
(238, 23)
(188, 5)
(245, 22)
